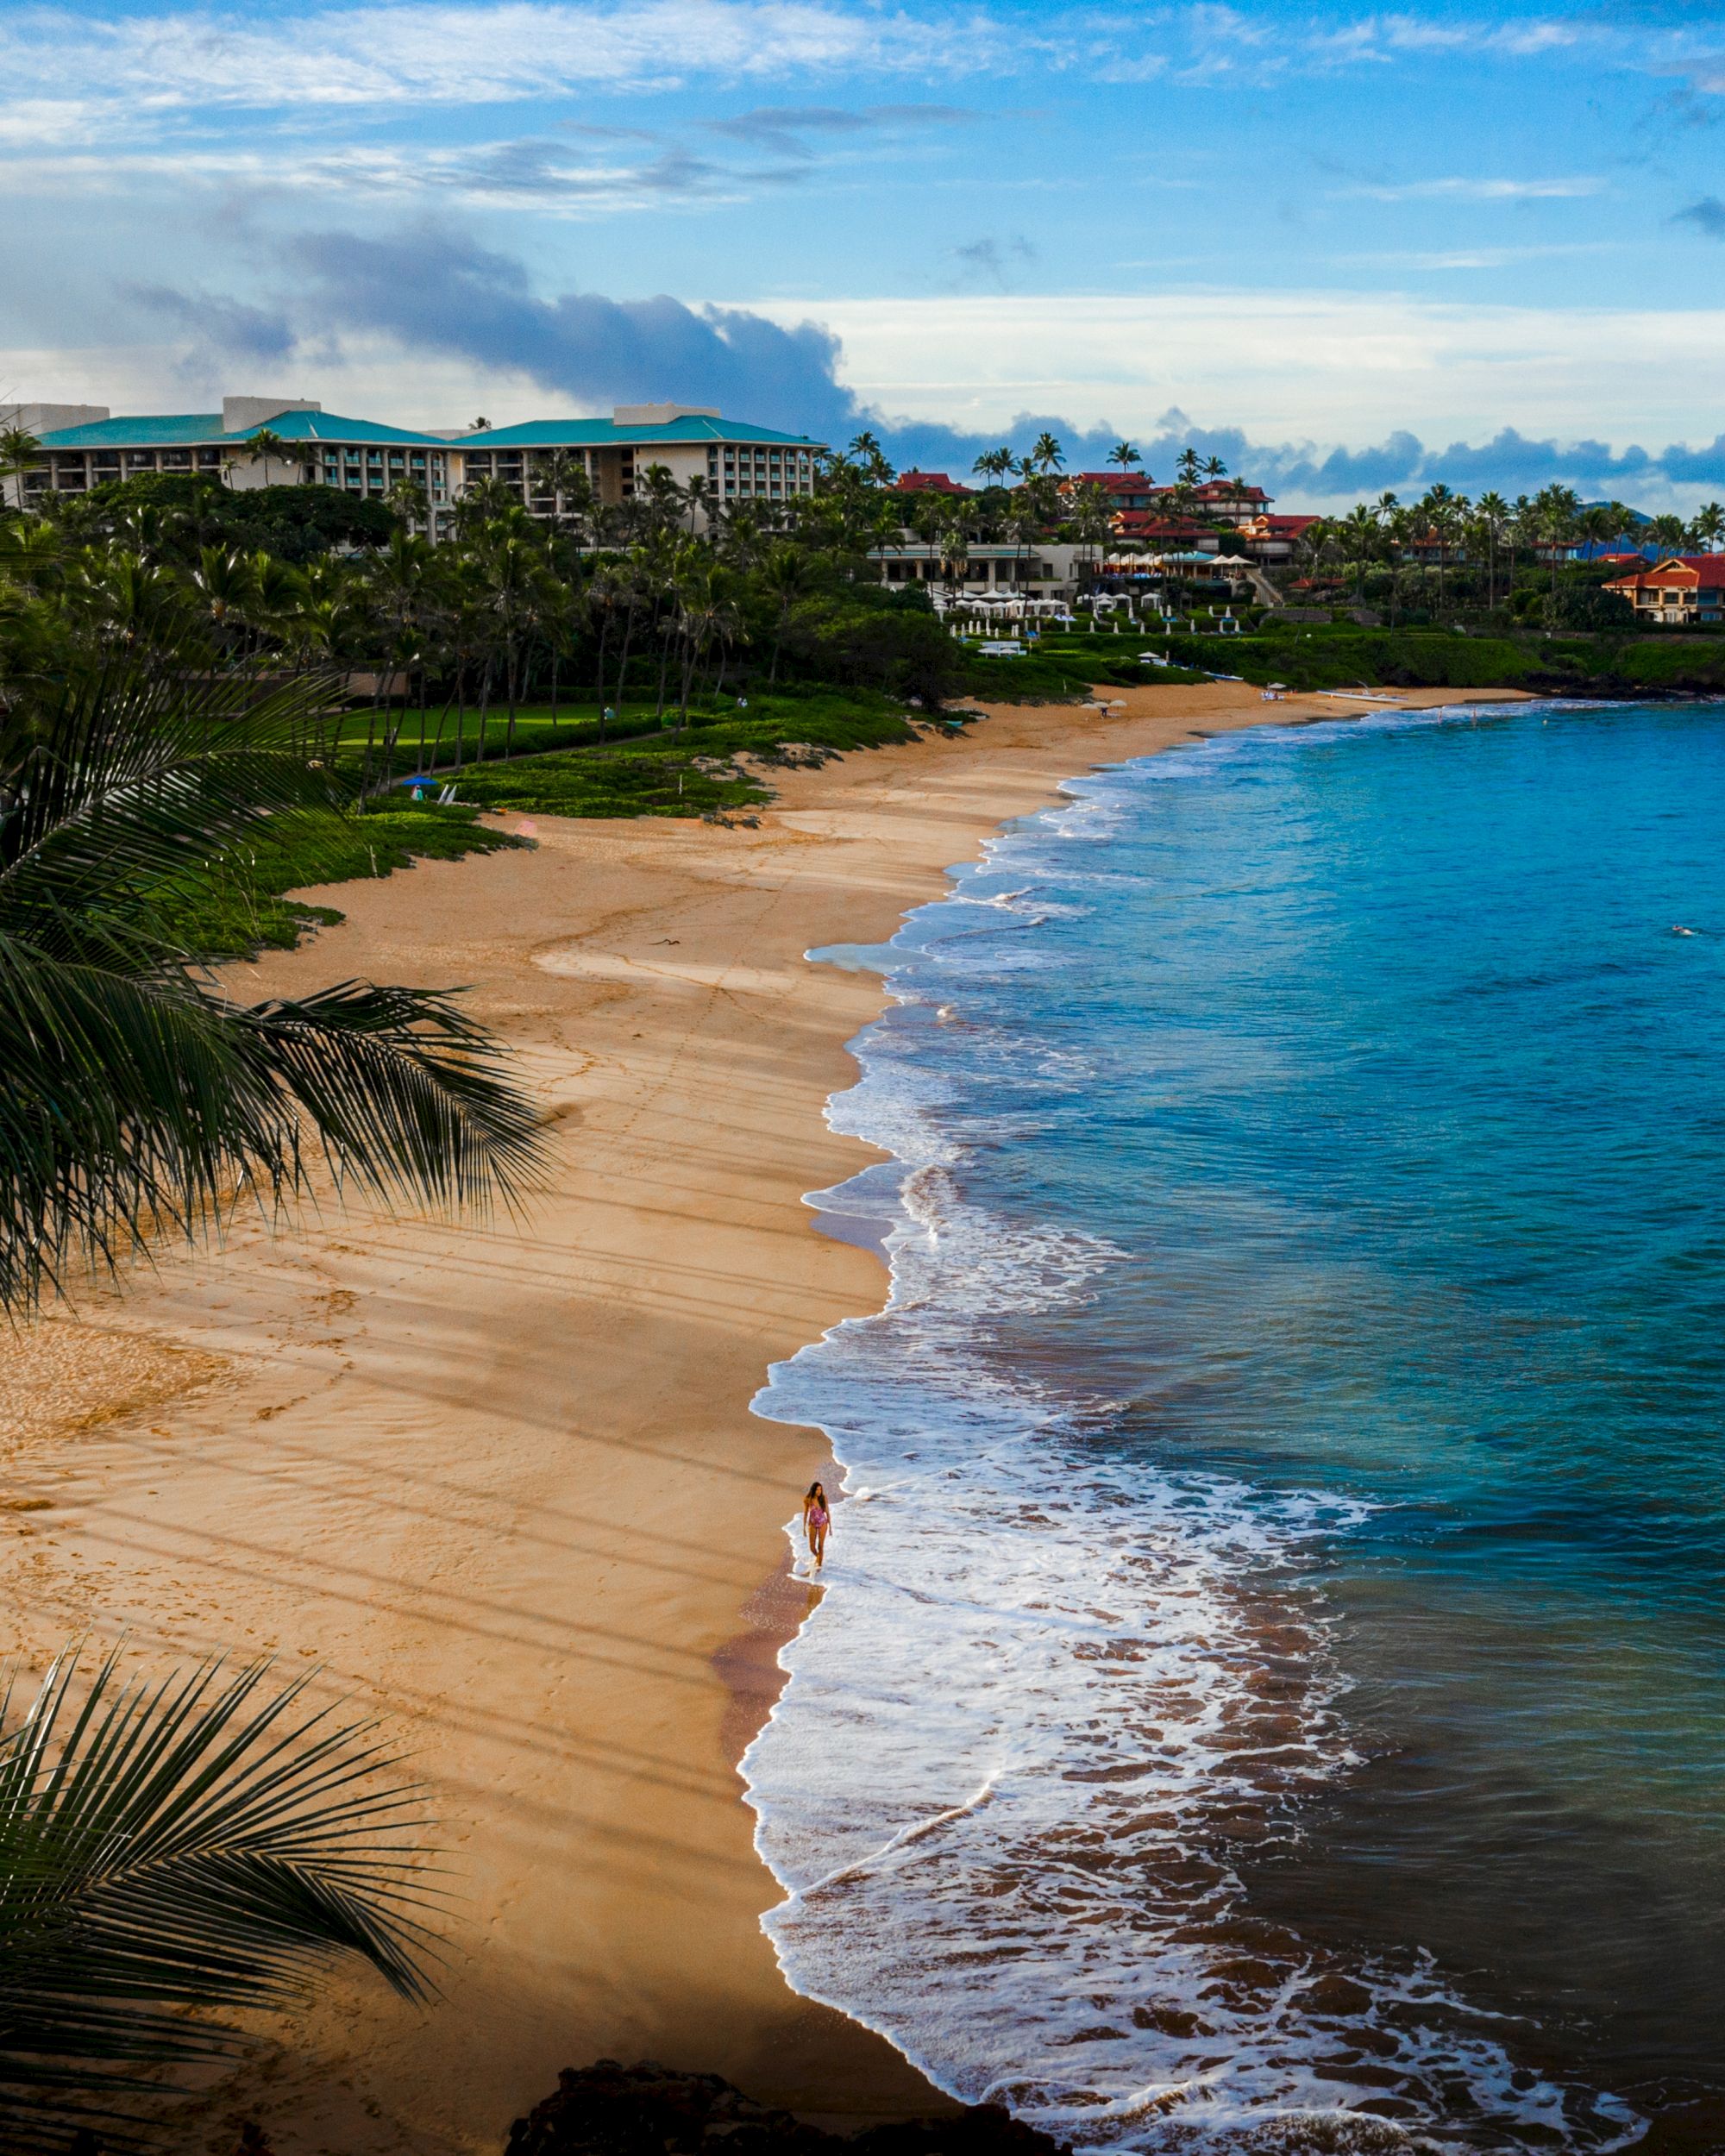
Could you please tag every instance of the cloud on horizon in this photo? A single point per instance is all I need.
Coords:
(595, 351)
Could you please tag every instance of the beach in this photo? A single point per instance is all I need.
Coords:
(498, 1480)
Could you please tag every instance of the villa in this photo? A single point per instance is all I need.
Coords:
(1681, 591)
(84, 446)
(1125, 490)
(1271, 541)
(916, 482)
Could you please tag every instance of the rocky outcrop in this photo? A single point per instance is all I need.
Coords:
(610, 2109)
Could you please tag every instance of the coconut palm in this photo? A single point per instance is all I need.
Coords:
(1708, 528)
(1493, 514)
(1124, 455)
(1361, 537)
(786, 575)
(265, 444)
(20, 452)
(1046, 453)
(138, 1100)
(174, 1852)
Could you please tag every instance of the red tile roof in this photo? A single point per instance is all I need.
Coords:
(1116, 482)
(915, 482)
(1145, 523)
(1690, 572)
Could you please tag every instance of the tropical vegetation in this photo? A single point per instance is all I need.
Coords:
(175, 1853)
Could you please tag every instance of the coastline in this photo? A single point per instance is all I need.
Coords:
(502, 1479)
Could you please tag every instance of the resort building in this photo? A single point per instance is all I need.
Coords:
(1147, 527)
(358, 455)
(1125, 490)
(83, 445)
(737, 462)
(1271, 541)
(1046, 570)
(1681, 591)
(1226, 501)
(916, 482)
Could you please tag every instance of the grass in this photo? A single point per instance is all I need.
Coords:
(238, 911)
(654, 774)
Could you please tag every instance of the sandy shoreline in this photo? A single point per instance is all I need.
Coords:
(500, 1479)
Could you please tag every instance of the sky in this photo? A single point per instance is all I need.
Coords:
(1347, 249)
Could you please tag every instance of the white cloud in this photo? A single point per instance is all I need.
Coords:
(548, 177)
(1469, 189)
(454, 54)
(1337, 366)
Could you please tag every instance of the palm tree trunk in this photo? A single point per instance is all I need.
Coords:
(484, 710)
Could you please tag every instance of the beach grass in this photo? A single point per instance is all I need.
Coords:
(239, 909)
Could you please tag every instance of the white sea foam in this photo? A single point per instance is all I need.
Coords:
(1048, 1692)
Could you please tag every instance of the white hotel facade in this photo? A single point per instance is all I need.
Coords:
(84, 446)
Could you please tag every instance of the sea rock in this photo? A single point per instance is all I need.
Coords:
(610, 2109)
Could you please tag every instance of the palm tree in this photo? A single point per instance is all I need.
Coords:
(139, 1100)
(1124, 455)
(1214, 468)
(786, 575)
(1047, 454)
(412, 503)
(865, 447)
(174, 1853)
(20, 452)
(1188, 464)
(264, 444)
(1361, 537)
(1553, 511)
(1708, 528)
(994, 464)
(1493, 513)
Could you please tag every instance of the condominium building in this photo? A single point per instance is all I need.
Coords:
(83, 445)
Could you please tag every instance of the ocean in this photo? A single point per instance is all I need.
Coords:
(1268, 1690)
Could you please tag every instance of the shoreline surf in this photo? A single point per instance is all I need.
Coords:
(873, 1769)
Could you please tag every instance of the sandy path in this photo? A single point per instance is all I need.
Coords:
(500, 1480)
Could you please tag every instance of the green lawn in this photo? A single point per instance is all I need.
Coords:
(655, 774)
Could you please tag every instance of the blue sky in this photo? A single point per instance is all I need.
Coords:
(1349, 248)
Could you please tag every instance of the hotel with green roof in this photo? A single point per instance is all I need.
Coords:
(83, 447)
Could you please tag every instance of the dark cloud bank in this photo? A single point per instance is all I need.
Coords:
(481, 305)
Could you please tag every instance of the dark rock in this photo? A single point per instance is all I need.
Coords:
(610, 2109)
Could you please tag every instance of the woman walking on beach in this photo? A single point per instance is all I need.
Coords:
(816, 1522)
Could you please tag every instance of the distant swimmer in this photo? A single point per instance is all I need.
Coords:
(1677, 931)
(816, 1520)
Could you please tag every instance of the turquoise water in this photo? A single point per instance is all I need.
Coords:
(1310, 1248)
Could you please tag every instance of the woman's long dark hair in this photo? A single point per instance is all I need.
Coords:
(815, 1490)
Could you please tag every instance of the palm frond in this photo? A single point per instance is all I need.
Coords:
(135, 780)
(208, 1843)
(136, 1101)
